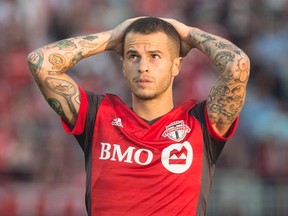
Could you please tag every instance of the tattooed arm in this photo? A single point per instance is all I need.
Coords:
(228, 92)
(50, 63)
(227, 95)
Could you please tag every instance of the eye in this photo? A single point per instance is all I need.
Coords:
(133, 57)
(155, 56)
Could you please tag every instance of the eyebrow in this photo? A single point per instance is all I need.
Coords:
(135, 52)
(131, 52)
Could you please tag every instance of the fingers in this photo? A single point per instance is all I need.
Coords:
(183, 31)
(127, 22)
(116, 40)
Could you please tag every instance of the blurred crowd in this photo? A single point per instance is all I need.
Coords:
(33, 145)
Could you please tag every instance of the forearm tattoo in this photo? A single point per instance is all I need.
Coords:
(227, 95)
(49, 63)
(66, 45)
(57, 61)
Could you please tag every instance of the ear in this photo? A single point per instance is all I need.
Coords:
(123, 66)
(123, 71)
(177, 66)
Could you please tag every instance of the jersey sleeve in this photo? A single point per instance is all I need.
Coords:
(214, 143)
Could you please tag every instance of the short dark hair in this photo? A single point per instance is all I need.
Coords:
(149, 25)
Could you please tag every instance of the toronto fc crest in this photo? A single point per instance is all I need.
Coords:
(176, 131)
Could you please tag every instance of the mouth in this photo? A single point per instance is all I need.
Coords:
(143, 80)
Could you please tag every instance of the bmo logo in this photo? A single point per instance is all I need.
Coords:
(177, 158)
(130, 155)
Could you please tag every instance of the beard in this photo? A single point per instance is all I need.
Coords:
(150, 92)
(146, 96)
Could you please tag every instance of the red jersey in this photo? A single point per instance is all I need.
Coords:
(141, 169)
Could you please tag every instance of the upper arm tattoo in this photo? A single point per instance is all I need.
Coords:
(57, 107)
(226, 102)
(63, 88)
(227, 95)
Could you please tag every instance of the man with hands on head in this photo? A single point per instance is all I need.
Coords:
(151, 158)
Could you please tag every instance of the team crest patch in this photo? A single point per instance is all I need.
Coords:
(176, 131)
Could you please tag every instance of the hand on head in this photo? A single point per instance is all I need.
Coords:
(184, 33)
(116, 40)
(117, 34)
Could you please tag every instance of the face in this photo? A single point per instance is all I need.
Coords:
(150, 63)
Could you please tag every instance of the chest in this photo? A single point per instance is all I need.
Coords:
(173, 144)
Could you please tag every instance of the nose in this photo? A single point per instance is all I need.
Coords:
(143, 66)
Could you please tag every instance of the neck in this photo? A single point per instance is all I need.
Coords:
(153, 108)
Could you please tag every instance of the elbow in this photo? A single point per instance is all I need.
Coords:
(246, 60)
(35, 61)
(244, 66)
(241, 69)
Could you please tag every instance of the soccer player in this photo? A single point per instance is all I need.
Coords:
(151, 158)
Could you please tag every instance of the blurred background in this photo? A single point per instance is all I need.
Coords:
(42, 168)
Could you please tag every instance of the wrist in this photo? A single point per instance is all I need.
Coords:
(110, 41)
(114, 42)
(193, 37)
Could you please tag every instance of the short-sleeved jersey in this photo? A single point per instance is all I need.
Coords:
(141, 169)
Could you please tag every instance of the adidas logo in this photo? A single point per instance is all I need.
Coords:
(117, 122)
